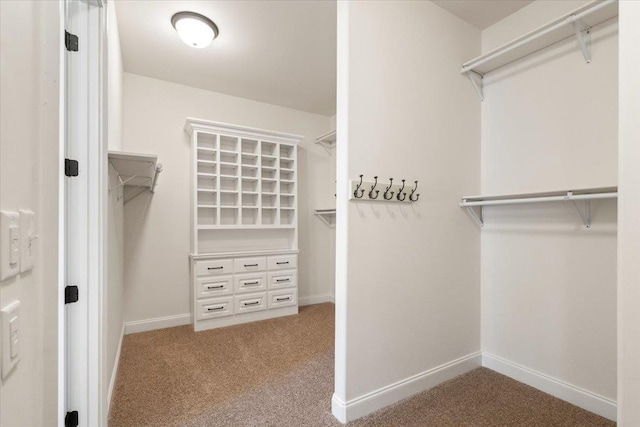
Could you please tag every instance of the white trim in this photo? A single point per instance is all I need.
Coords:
(156, 323)
(370, 402)
(114, 373)
(195, 124)
(562, 390)
(315, 299)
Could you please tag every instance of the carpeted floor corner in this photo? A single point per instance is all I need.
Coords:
(279, 372)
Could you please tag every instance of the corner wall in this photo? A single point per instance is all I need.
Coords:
(114, 288)
(628, 218)
(407, 276)
(549, 122)
(157, 227)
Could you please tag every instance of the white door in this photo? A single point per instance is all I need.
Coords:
(83, 153)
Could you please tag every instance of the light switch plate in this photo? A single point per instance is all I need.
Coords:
(27, 237)
(9, 243)
(10, 338)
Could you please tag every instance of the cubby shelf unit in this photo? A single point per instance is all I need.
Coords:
(243, 178)
(577, 23)
(581, 199)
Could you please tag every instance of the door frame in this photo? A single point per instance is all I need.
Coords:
(82, 212)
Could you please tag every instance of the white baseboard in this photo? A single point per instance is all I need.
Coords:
(157, 323)
(575, 395)
(370, 402)
(114, 372)
(315, 299)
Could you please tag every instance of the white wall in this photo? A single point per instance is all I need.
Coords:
(549, 122)
(114, 290)
(157, 226)
(629, 212)
(407, 284)
(29, 73)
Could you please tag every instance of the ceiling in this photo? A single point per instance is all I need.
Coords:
(279, 52)
(482, 13)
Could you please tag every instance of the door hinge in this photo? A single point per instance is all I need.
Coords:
(71, 419)
(70, 41)
(70, 294)
(70, 167)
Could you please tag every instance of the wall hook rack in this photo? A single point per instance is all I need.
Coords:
(387, 190)
(373, 188)
(413, 191)
(355, 193)
(400, 193)
(393, 193)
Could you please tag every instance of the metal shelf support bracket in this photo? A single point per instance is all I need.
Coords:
(475, 212)
(583, 35)
(476, 81)
(585, 213)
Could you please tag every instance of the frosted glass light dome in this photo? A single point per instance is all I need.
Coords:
(194, 29)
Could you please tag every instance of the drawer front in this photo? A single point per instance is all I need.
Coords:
(214, 267)
(214, 307)
(282, 279)
(283, 298)
(247, 265)
(208, 287)
(283, 262)
(250, 283)
(250, 302)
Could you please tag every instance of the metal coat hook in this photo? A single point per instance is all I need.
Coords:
(387, 190)
(404, 195)
(355, 193)
(373, 188)
(413, 191)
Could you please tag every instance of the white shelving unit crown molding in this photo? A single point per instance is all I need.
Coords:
(194, 124)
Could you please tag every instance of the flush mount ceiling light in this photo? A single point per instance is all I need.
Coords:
(194, 29)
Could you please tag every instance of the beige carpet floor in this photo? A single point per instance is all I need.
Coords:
(279, 372)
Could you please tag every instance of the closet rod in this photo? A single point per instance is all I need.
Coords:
(568, 197)
(536, 35)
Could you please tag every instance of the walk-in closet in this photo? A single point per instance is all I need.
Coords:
(319, 213)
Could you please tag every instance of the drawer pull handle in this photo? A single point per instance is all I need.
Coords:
(251, 283)
(215, 308)
(282, 262)
(215, 268)
(283, 299)
(215, 287)
(251, 265)
(282, 280)
(252, 303)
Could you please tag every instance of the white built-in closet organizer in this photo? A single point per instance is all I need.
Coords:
(244, 240)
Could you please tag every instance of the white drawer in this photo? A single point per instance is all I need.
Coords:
(282, 279)
(250, 302)
(282, 262)
(214, 286)
(250, 282)
(247, 265)
(283, 298)
(214, 267)
(214, 307)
